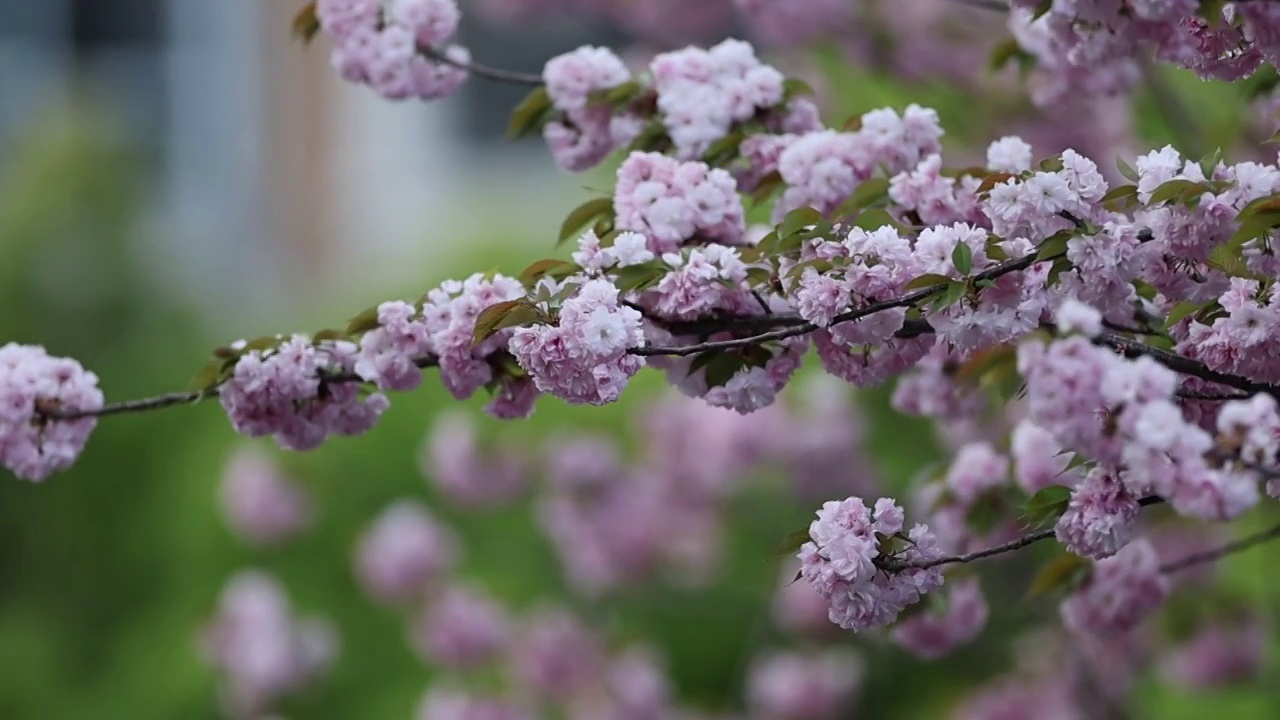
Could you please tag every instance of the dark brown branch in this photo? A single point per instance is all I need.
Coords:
(182, 398)
(803, 328)
(484, 71)
(892, 565)
(1220, 552)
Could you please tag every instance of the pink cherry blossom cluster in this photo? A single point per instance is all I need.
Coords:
(840, 561)
(1094, 48)
(695, 97)
(282, 392)
(1123, 412)
(260, 503)
(461, 628)
(803, 686)
(262, 648)
(390, 49)
(671, 202)
(583, 357)
(820, 168)
(33, 446)
(467, 472)
(930, 633)
(403, 553)
(586, 132)
(1121, 591)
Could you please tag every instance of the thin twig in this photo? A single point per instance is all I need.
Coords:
(892, 565)
(1220, 552)
(484, 71)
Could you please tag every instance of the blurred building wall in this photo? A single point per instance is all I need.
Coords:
(275, 181)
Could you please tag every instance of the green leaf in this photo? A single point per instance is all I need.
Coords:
(1007, 51)
(724, 150)
(1121, 197)
(985, 283)
(1209, 163)
(488, 320)
(530, 114)
(326, 335)
(1053, 246)
(583, 215)
(1059, 573)
(759, 277)
(618, 95)
(798, 219)
(927, 280)
(1230, 260)
(766, 187)
(792, 87)
(1046, 506)
(1181, 310)
(955, 290)
(1044, 7)
(992, 180)
(874, 219)
(1053, 164)
(306, 23)
(793, 541)
(207, 378)
(364, 322)
(266, 342)
(872, 193)
(639, 277)
(962, 257)
(550, 266)
(1127, 171)
(1173, 189)
(721, 368)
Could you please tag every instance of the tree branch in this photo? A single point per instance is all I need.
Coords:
(1220, 552)
(484, 71)
(803, 328)
(892, 565)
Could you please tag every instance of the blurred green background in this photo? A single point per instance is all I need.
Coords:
(106, 571)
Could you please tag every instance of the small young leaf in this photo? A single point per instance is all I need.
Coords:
(530, 114)
(1046, 506)
(550, 266)
(791, 87)
(1127, 171)
(207, 378)
(792, 542)
(583, 215)
(364, 322)
(306, 23)
(962, 257)
(1058, 574)
(489, 318)
(1053, 164)
(993, 180)
(327, 334)
(266, 342)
